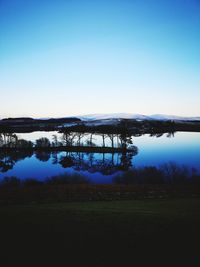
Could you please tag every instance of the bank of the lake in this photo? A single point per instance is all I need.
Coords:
(55, 191)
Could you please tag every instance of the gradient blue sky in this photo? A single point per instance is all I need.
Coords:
(61, 58)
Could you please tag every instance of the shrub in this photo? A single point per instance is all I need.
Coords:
(11, 181)
(67, 179)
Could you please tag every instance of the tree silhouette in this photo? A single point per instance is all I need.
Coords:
(125, 140)
(80, 135)
(21, 143)
(8, 139)
(55, 140)
(42, 142)
(67, 138)
(112, 136)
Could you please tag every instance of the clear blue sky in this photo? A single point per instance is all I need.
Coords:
(60, 58)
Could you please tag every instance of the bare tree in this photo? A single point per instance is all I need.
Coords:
(79, 137)
(8, 139)
(103, 139)
(68, 138)
(112, 138)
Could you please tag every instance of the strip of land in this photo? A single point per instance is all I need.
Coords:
(90, 149)
(120, 125)
(56, 191)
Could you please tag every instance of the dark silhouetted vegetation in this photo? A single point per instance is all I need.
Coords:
(147, 182)
(169, 173)
(70, 140)
(132, 126)
(10, 182)
(43, 142)
(67, 179)
(10, 140)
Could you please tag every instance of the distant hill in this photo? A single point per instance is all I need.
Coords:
(30, 122)
(94, 120)
(104, 122)
(159, 117)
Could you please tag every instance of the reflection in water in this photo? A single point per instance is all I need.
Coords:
(9, 159)
(154, 150)
(105, 163)
(168, 135)
(42, 155)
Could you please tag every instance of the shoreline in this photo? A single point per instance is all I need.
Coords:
(91, 149)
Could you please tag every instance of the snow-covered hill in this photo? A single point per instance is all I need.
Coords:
(113, 116)
(159, 117)
(173, 117)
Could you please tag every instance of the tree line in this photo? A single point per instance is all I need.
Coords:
(67, 138)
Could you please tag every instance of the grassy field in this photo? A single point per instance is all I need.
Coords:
(102, 233)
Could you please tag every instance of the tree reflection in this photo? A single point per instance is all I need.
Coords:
(54, 157)
(42, 155)
(105, 163)
(67, 161)
(9, 159)
(170, 134)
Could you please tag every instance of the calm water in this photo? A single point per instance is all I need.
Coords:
(182, 149)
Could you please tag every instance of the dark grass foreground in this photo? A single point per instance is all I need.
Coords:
(102, 233)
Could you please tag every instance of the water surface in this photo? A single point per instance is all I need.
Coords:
(182, 149)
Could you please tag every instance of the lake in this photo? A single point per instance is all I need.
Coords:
(182, 149)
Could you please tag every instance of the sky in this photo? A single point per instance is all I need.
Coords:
(65, 58)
